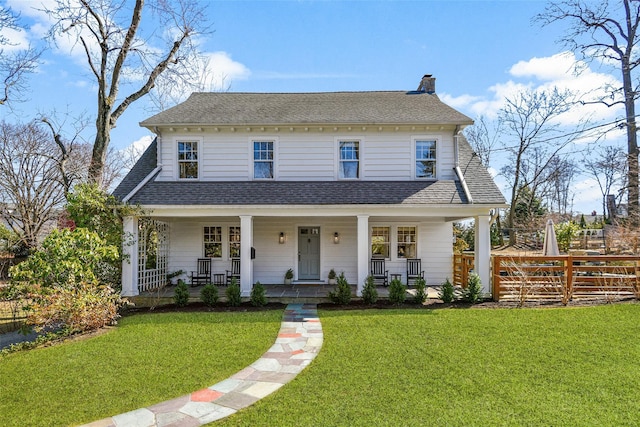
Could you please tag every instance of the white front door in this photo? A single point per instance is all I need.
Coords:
(309, 253)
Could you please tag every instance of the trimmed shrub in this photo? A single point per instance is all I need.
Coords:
(369, 292)
(446, 293)
(209, 295)
(234, 297)
(397, 292)
(258, 298)
(181, 295)
(342, 293)
(473, 292)
(421, 291)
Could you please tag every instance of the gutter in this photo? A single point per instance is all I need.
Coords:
(457, 169)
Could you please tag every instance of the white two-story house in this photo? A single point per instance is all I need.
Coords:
(307, 181)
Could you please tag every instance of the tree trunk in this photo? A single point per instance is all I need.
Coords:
(632, 146)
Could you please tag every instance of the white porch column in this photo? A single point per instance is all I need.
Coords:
(246, 264)
(130, 259)
(363, 251)
(482, 265)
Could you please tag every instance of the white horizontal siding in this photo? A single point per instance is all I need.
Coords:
(305, 155)
(273, 259)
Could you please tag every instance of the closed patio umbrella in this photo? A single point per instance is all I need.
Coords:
(550, 241)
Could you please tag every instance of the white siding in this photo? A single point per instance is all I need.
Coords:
(301, 155)
(272, 260)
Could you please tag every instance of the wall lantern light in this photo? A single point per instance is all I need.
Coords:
(336, 238)
(281, 238)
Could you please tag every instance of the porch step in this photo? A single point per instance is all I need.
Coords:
(309, 282)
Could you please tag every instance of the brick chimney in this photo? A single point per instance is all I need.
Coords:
(427, 84)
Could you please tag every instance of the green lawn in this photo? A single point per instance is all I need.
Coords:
(484, 367)
(145, 360)
(560, 367)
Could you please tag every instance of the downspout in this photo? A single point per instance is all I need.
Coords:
(457, 169)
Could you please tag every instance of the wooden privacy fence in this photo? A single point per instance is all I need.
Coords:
(559, 278)
(564, 278)
(462, 266)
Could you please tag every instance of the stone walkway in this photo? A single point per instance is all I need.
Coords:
(298, 342)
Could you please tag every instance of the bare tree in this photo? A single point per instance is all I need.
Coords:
(557, 183)
(534, 137)
(15, 64)
(30, 189)
(123, 53)
(608, 31)
(606, 165)
(483, 139)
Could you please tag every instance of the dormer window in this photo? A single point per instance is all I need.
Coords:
(349, 164)
(188, 159)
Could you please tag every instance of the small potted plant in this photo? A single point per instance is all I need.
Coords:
(288, 276)
(332, 277)
(173, 275)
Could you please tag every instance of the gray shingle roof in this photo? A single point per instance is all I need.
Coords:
(255, 193)
(482, 187)
(143, 167)
(229, 108)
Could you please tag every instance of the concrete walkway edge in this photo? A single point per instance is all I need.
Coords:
(299, 341)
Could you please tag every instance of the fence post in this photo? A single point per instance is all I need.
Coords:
(495, 291)
(569, 274)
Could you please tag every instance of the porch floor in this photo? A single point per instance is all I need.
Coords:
(294, 293)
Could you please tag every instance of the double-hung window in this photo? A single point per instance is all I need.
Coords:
(213, 242)
(188, 159)
(380, 242)
(263, 159)
(425, 159)
(406, 242)
(349, 162)
(234, 242)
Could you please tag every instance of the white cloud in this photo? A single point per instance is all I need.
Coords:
(220, 71)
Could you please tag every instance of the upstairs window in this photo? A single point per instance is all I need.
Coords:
(349, 167)
(188, 159)
(234, 242)
(425, 159)
(380, 242)
(263, 159)
(406, 242)
(213, 242)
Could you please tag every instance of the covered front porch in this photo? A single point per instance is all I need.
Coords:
(268, 241)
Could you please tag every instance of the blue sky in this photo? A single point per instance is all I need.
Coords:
(479, 51)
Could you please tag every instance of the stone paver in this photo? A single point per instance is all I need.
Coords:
(298, 342)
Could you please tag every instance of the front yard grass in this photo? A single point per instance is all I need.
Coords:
(397, 367)
(146, 359)
(479, 367)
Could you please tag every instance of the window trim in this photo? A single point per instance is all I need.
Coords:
(393, 238)
(414, 145)
(389, 239)
(397, 242)
(275, 142)
(204, 242)
(338, 160)
(200, 152)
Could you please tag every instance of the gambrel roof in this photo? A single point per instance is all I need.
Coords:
(371, 108)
